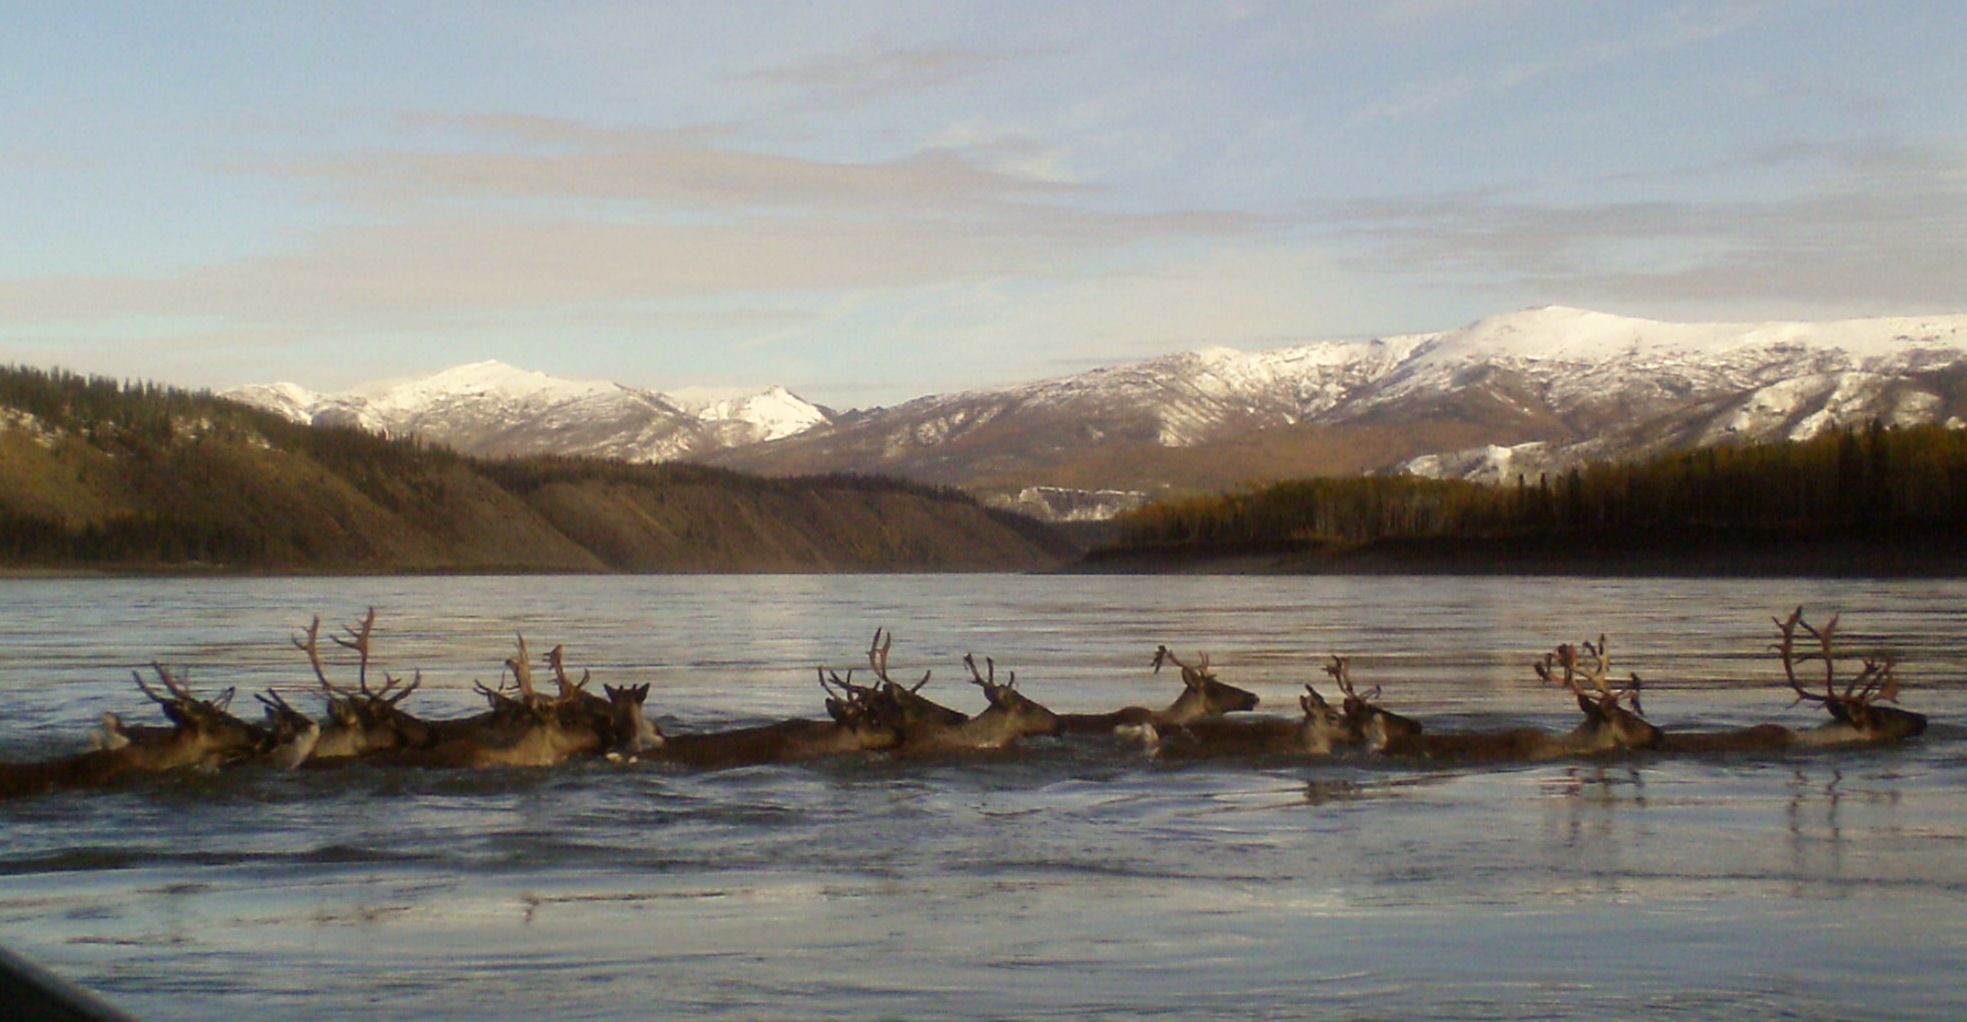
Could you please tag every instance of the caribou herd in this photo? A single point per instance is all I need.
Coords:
(528, 724)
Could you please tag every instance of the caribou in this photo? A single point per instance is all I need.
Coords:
(1370, 725)
(1608, 727)
(528, 729)
(1202, 696)
(1012, 716)
(861, 720)
(1856, 717)
(1321, 731)
(204, 735)
(528, 725)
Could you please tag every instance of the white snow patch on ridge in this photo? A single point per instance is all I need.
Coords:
(528, 410)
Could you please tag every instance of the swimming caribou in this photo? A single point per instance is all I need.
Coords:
(203, 735)
(524, 725)
(1203, 695)
(1856, 717)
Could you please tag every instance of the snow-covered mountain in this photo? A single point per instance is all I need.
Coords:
(1528, 392)
(493, 408)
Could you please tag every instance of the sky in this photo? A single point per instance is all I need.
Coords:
(868, 202)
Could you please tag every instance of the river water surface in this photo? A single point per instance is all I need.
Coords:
(1072, 879)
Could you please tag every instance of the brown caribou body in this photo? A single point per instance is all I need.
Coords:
(529, 729)
(203, 735)
(1011, 717)
(1321, 731)
(1202, 696)
(1856, 717)
(862, 720)
(1608, 727)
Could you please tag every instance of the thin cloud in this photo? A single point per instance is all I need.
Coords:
(858, 76)
(542, 213)
(1885, 222)
(1673, 29)
(545, 159)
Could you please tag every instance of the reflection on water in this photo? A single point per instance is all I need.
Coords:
(1072, 880)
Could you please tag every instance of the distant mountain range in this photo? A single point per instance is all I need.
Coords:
(489, 408)
(1528, 392)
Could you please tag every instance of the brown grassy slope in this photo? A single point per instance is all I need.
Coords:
(281, 498)
(700, 527)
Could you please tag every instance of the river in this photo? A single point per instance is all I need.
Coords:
(1070, 879)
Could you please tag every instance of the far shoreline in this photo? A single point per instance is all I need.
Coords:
(1934, 554)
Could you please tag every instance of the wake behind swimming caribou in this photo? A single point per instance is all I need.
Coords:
(525, 727)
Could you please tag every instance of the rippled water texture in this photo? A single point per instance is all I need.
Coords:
(1073, 880)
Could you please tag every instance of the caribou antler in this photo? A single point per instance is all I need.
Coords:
(1873, 681)
(1593, 675)
(847, 702)
(178, 701)
(877, 659)
(358, 640)
(521, 666)
(1190, 673)
(392, 682)
(278, 708)
(313, 650)
(568, 687)
(990, 665)
(1341, 671)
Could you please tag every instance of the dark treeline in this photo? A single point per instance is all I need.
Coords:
(534, 471)
(1869, 480)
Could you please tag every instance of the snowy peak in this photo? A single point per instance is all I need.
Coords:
(288, 400)
(774, 412)
(1557, 333)
(496, 409)
(1526, 392)
(490, 380)
(1534, 390)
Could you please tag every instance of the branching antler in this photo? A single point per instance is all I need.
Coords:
(521, 666)
(313, 650)
(569, 688)
(1192, 675)
(178, 701)
(391, 682)
(1593, 675)
(877, 658)
(980, 680)
(358, 640)
(847, 702)
(1341, 671)
(1874, 680)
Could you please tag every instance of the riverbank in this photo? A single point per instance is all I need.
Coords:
(1662, 554)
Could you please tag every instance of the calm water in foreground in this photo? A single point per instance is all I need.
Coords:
(1068, 880)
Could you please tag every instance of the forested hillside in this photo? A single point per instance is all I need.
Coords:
(1900, 492)
(102, 473)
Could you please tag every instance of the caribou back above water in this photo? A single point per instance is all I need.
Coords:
(1373, 727)
(1856, 717)
(861, 720)
(1608, 727)
(1202, 696)
(1321, 731)
(1012, 716)
(203, 735)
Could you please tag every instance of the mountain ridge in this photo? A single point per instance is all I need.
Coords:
(1531, 391)
(97, 474)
